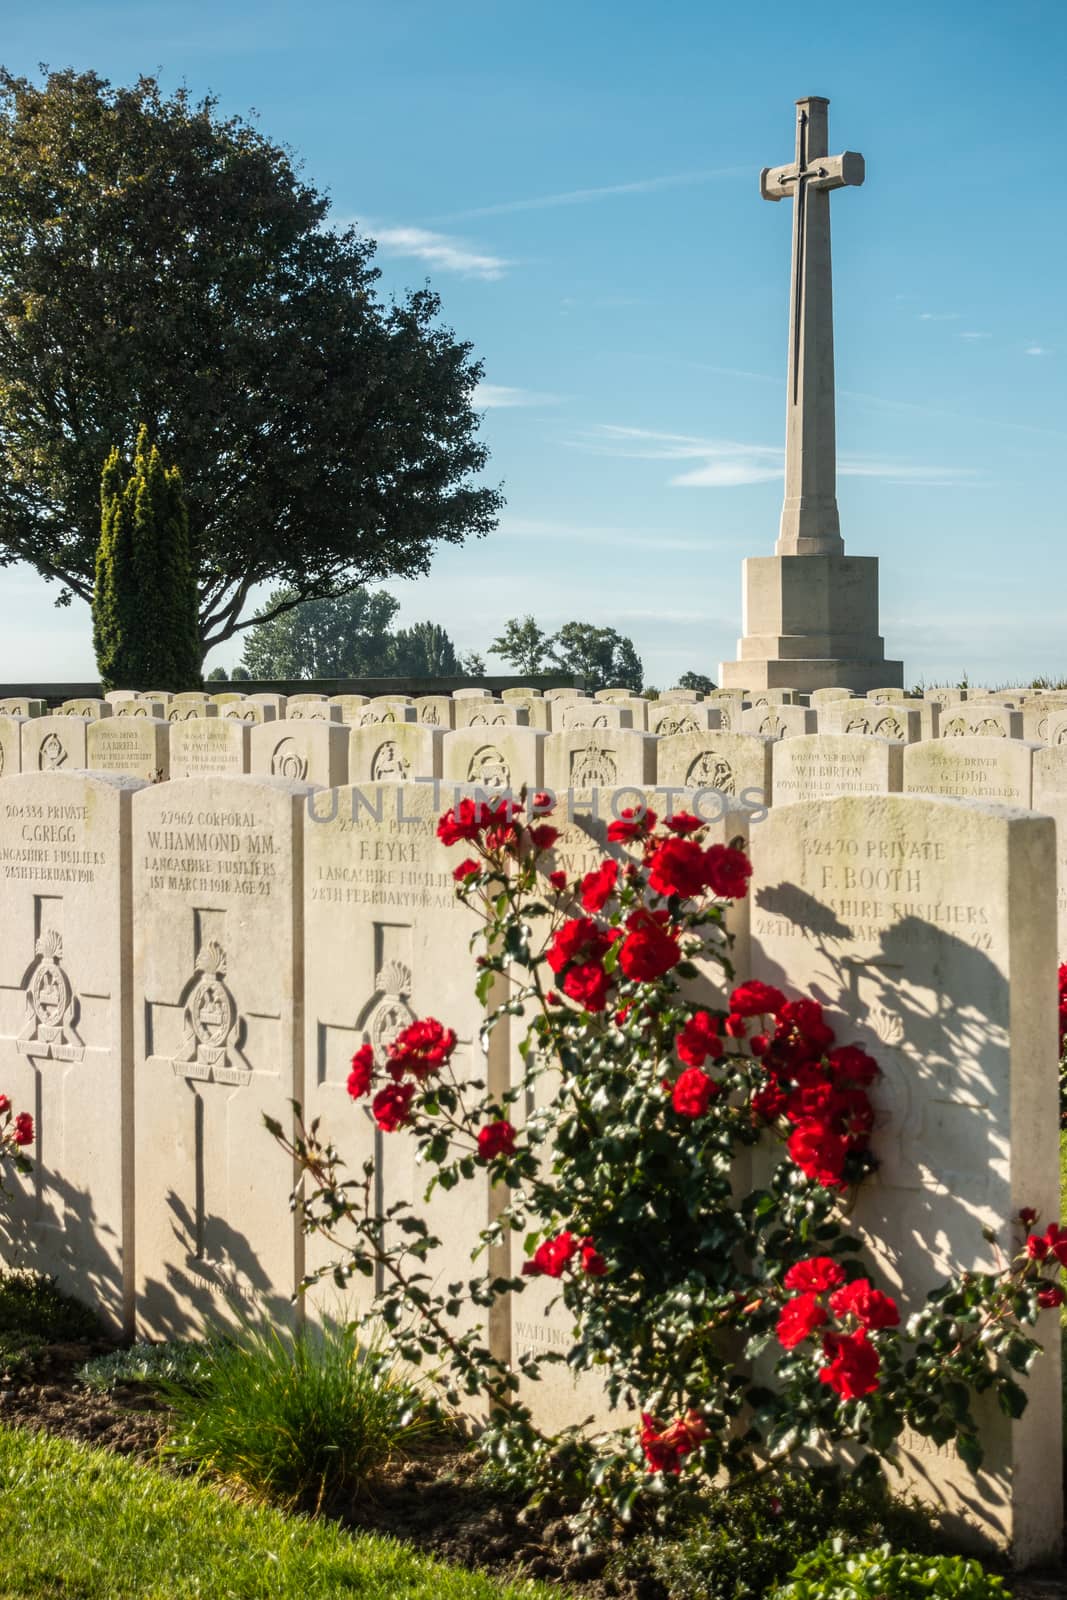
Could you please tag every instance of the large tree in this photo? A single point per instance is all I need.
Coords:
(162, 263)
(523, 644)
(347, 637)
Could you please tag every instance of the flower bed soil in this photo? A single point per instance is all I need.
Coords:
(436, 1502)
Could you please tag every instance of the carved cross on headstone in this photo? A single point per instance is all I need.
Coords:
(810, 523)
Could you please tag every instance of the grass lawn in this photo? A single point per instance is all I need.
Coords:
(81, 1524)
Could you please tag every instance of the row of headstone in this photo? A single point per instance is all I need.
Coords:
(180, 959)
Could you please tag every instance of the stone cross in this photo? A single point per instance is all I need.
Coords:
(810, 524)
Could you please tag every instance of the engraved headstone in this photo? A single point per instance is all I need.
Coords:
(884, 719)
(973, 768)
(65, 1001)
(593, 714)
(823, 697)
(218, 1043)
(733, 764)
(978, 719)
(10, 745)
(821, 765)
(54, 744)
(313, 709)
(668, 717)
(779, 721)
(19, 706)
(301, 751)
(436, 710)
(1050, 797)
(138, 747)
(143, 707)
(184, 707)
(87, 707)
(927, 928)
(599, 758)
(208, 746)
(350, 704)
(477, 713)
(384, 710)
(250, 711)
(495, 758)
(396, 752)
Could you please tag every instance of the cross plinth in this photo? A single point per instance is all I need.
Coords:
(810, 523)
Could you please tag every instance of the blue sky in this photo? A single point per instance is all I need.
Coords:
(579, 181)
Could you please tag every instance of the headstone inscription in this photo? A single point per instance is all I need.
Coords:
(218, 1042)
(820, 765)
(65, 1016)
(972, 768)
(205, 746)
(926, 926)
(138, 747)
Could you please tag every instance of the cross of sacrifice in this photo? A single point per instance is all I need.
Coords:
(810, 523)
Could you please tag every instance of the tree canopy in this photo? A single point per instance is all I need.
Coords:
(351, 636)
(602, 656)
(161, 263)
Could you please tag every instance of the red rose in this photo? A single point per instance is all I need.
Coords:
(1050, 1297)
(755, 999)
(869, 1306)
(770, 1101)
(421, 1048)
(592, 1262)
(815, 1275)
(359, 1079)
(728, 872)
(558, 880)
(663, 1447)
(462, 822)
(496, 1139)
(649, 950)
(580, 940)
(598, 886)
(853, 1065)
(699, 1039)
(684, 823)
(1037, 1247)
(759, 1044)
(23, 1128)
(466, 869)
(798, 1320)
(551, 1256)
(636, 822)
(735, 1026)
(542, 804)
(693, 1093)
(1026, 1216)
(819, 1153)
(588, 984)
(543, 836)
(854, 1363)
(678, 867)
(805, 1016)
(392, 1106)
(5, 1105)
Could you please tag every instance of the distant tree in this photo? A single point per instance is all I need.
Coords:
(697, 681)
(603, 657)
(345, 637)
(240, 674)
(218, 675)
(523, 645)
(424, 651)
(160, 262)
(471, 664)
(144, 592)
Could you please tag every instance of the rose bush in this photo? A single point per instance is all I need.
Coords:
(626, 1182)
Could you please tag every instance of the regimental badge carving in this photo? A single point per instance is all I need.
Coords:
(52, 755)
(990, 727)
(287, 762)
(772, 726)
(48, 1032)
(370, 718)
(388, 764)
(489, 769)
(711, 771)
(142, 711)
(857, 724)
(1042, 726)
(954, 728)
(211, 1023)
(429, 714)
(389, 1010)
(725, 716)
(3, 758)
(593, 768)
(1061, 738)
(676, 722)
(498, 721)
(889, 728)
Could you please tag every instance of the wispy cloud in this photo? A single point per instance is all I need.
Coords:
(1036, 350)
(578, 197)
(939, 316)
(970, 335)
(577, 533)
(492, 396)
(440, 250)
(730, 464)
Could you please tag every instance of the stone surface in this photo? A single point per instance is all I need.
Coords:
(597, 758)
(66, 1004)
(734, 764)
(471, 694)
(10, 745)
(1050, 797)
(478, 713)
(54, 744)
(779, 722)
(302, 752)
(143, 707)
(729, 703)
(266, 698)
(821, 765)
(927, 928)
(87, 707)
(218, 1043)
(19, 706)
(318, 709)
(495, 758)
(436, 710)
(538, 710)
(350, 704)
(971, 768)
(250, 711)
(209, 746)
(667, 717)
(883, 719)
(823, 697)
(773, 697)
(138, 747)
(396, 753)
(592, 714)
(975, 719)
(183, 707)
(385, 710)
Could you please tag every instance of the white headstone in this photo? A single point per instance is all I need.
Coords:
(396, 753)
(495, 758)
(821, 765)
(779, 722)
(668, 717)
(301, 752)
(734, 764)
(209, 746)
(54, 744)
(138, 747)
(998, 770)
(599, 758)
